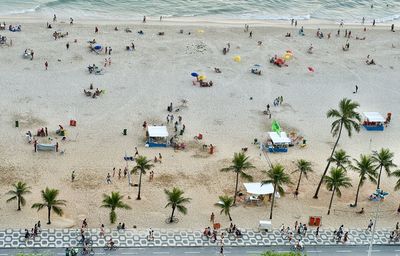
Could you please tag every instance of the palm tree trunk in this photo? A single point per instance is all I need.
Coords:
(19, 203)
(379, 178)
(229, 215)
(330, 203)
(172, 215)
(298, 183)
(140, 185)
(48, 215)
(329, 162)
(236, 188)
(272, 203)
(358, 190)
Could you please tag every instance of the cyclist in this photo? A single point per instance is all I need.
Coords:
(299, 245)
(110, 244)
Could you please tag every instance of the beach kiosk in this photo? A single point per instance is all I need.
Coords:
(373, 121)
(157, 136)
(279, 142)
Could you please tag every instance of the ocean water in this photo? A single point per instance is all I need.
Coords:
(335, 10)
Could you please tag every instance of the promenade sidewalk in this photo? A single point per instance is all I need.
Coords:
(11, 238)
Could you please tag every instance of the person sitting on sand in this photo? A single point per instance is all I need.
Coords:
(217, 70)
(259, 43)
(360, 38)
(371, 62)
(288, 35)
(310, 49)
(346, 47)
(116, 29)
(361, 211)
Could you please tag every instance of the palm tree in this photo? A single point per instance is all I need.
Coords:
(20, 189)
(176, 201)
(303, 167)
(397, 175)
(383, 159)
(114, 201)
(334, 182)
(366, 169)
(240, 162)
(277, 176)
(341, 159)
(50, 201)
(346, 117)
(142, 164)
(225, 204)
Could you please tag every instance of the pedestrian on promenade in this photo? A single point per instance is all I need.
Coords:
(221, 250)
(397, 226)
(39, 226)
(317, 232)
(101, 234)
(46, 64)
(212, 218)
(136, 152)
(296, 223)
(370, 224)
(150, 235)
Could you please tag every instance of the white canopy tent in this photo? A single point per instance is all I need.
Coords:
(279, 138)
(257, 188)
(374, 117)
(157, 131)
(157, 136)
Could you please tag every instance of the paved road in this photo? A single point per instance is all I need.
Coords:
(381, 250)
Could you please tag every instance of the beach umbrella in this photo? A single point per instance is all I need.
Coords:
(311, 69)
(97, 47)
(200, 31)
(237, 58)
(202, 77)
(194, 74)
(276, 127)
(287, 56)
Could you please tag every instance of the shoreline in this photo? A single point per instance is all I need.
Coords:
(205, 20)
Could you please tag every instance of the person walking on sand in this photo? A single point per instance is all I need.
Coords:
(108, 179)
(370, 224)
(54, 18)
(212, 218)
(160, 157)
(251, 34)
(113, 172)
(392, 28)
(136, 152)
(119, 173)
(73, 176)
(144, 19)
(106, 50)
(46, 64)
(356, 89)
(96, 30)
(67, 45)
(373, 22)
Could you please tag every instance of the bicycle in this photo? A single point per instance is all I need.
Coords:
(89, 251)
(296, 248)
(110, 248)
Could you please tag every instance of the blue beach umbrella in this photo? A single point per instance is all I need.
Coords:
(194, 74)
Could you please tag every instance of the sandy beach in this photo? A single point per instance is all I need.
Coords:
(140, 84)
